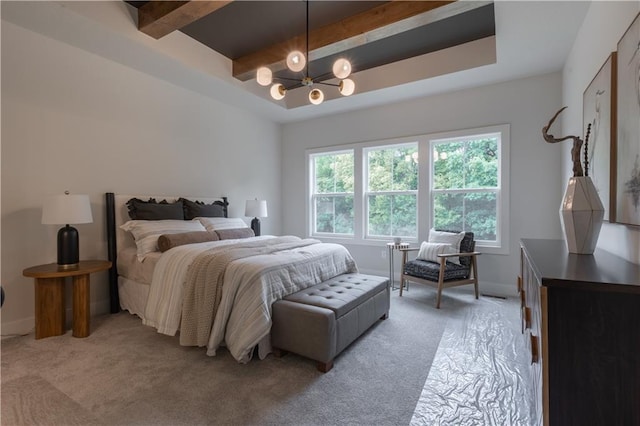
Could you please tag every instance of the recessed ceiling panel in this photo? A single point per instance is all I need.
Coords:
(462, 28)
(243, 27)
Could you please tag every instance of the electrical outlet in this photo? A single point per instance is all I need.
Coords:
(383, 253)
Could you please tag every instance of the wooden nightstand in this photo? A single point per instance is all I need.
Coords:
(50, 300)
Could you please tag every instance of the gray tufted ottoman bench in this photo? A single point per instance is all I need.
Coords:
(320, 321)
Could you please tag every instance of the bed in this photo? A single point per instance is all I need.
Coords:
(213, 292)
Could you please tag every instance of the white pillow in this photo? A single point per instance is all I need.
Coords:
(218, 223)
(451, 238)
(146, 232)
(430, 251)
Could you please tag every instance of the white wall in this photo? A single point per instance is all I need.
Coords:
(603, 26)
(74, 120)
(535, 165)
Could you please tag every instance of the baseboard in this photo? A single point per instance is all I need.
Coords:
(496, 289)
(486, 288)
(18, 328)
(27, 325)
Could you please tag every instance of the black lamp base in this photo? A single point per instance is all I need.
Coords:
(255, 225)
(68, 247)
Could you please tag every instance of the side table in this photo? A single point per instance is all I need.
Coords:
(50, 300)
(392, 247)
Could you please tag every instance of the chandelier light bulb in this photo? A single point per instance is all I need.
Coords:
(347, 87)
(316, 96)
(296, 61)
(264, 76)
(278, 91)
(342, 68)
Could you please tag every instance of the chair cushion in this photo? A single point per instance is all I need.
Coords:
(467, 245)
(430, 270)
(430, 251)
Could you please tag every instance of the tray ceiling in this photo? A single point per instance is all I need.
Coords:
(370, 34)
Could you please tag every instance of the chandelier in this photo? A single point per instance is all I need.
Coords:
(298, 62)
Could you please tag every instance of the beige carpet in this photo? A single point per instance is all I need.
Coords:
(126, 373)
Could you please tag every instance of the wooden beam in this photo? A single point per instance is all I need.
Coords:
(159, 18)
(331, 38)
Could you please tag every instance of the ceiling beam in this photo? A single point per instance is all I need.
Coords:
(331, 38)
(159, 18)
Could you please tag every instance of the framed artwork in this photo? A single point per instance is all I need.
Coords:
(599, 110)
(628, 128)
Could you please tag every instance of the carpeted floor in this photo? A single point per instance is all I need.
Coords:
(125, 373)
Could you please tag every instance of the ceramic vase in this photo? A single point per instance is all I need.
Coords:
(581, 215)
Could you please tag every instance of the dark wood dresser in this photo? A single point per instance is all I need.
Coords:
(581, 320)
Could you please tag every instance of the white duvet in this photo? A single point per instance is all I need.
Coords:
(250, 286)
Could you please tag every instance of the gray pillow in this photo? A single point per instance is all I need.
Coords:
(167, 241)
(232, 234)
(153, 210)
(193, 209)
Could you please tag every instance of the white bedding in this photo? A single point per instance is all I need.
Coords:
(250, 286)
(131, 268)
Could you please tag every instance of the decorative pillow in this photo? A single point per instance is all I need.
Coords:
(193, 209)
(152, 210)
(451, 238)
(146, 232)
(430, 251)
(218, 223)
(167, 241)
(232, 234)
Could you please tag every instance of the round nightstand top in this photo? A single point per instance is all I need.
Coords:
(53, 270)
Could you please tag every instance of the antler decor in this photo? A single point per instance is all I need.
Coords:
(577, 144)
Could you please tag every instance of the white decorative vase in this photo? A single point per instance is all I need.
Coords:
(581, 215)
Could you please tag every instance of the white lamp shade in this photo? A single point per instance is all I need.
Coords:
(256, 208)
(278, 91)
(296, 61)
(264, 76)
(66, 209)
(316, 96)
(347, 87)
(342, 68)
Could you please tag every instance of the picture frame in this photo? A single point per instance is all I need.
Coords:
(628, 127)
(599, 109)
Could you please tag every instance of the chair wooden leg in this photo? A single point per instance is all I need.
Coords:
(440, 282)
(401, 284)
(475, 274)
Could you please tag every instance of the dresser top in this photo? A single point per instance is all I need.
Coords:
(555, 266)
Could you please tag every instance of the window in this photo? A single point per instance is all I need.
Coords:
(465, 176)
(370, 192)
(332, 193)
(392, 191)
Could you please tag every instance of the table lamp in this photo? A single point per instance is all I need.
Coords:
(256, 208)
(64, 210)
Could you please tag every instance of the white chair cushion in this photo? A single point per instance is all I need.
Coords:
(430, 251)
(451, 238)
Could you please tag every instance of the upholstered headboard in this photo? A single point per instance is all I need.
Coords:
(117, 239)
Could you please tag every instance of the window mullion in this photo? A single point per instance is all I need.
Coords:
(378, 211)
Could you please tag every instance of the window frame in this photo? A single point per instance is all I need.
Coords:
(424, 195)
(313, 195)
(502, 132)
(367, 193)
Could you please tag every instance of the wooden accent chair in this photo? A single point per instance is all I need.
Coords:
(443, 274)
